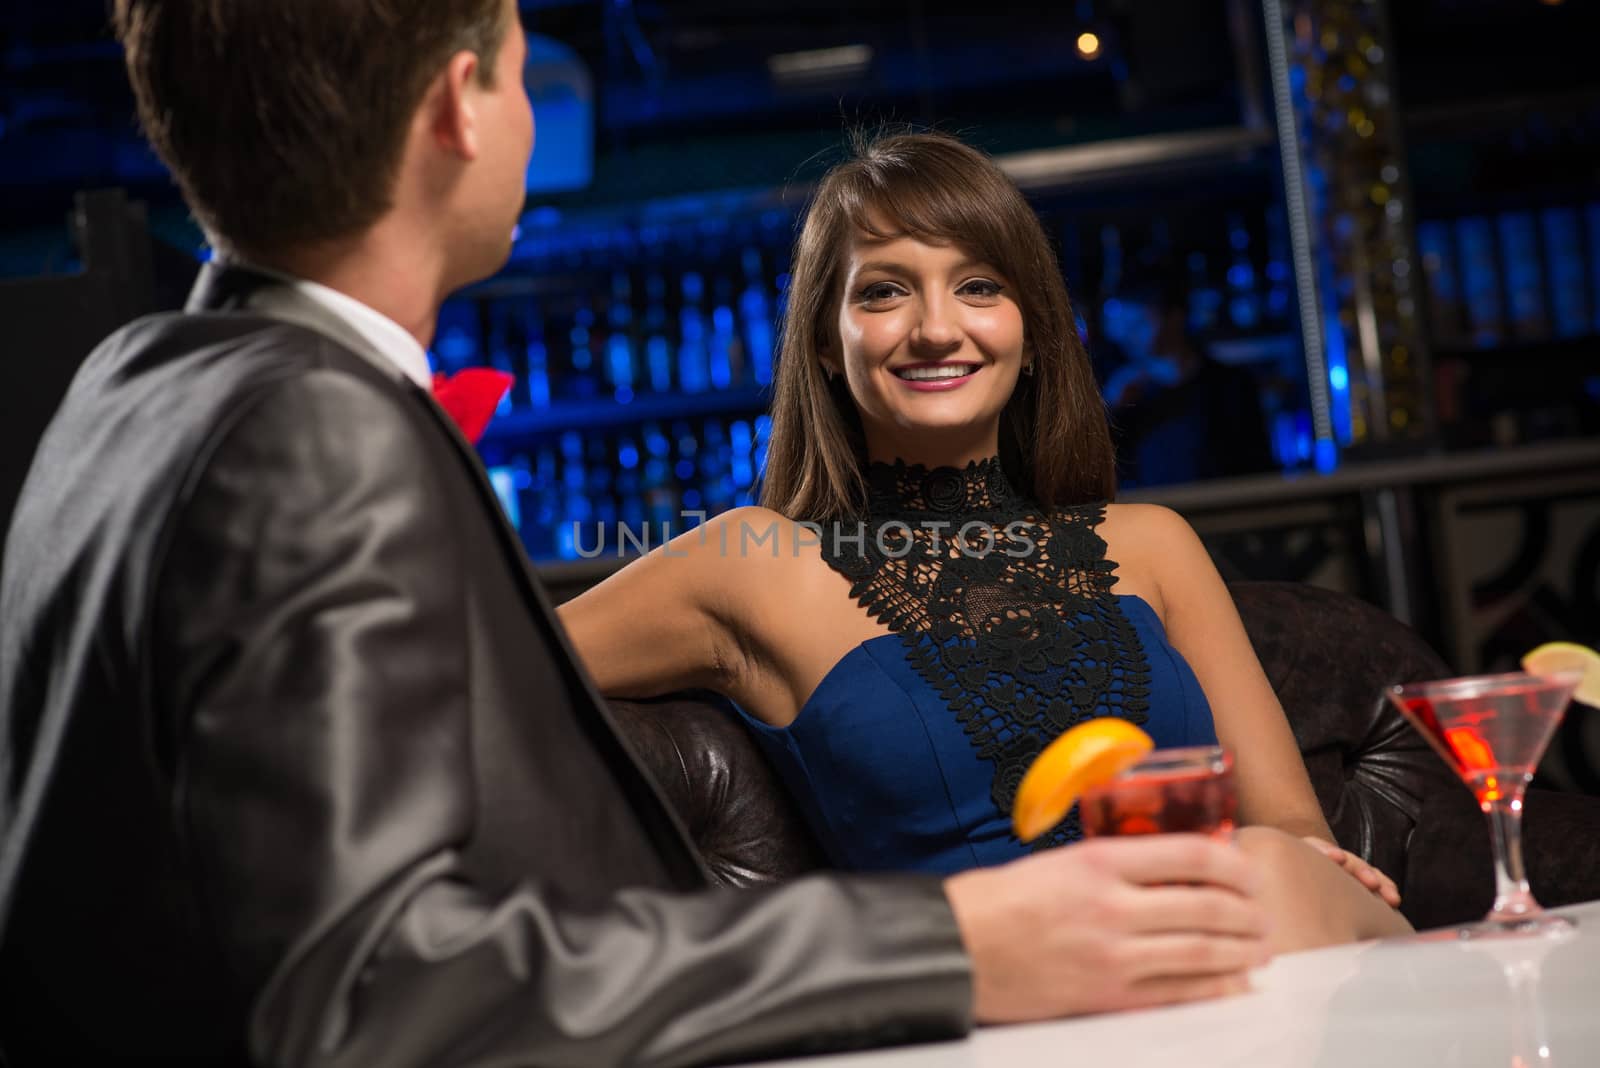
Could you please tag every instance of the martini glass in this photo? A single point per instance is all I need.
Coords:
(1492, 729)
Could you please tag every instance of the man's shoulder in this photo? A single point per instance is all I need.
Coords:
(150, 406)
(186, 350)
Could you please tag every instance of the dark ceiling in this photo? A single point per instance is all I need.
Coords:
(686, 83)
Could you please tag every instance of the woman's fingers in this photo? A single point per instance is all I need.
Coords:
(1364, 873)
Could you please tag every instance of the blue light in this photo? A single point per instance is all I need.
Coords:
(624, 395)
(684, 469)
(1338, 380)
(504, 479)
(628, 455)
(1327, 457)
(692, 499)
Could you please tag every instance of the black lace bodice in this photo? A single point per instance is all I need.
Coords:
(1006, 611)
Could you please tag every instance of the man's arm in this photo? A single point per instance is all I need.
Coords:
(311, 666)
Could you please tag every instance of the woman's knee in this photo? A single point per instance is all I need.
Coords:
(1302, 890)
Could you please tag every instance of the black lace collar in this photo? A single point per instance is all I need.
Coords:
(1016, 628)
(980, 487)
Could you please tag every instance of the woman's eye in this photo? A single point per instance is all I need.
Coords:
(981, 287)
(879, 291)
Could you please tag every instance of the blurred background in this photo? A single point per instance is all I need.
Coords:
(1337, 263)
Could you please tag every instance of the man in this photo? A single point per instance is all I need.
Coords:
(299, 767)
(1177, 414)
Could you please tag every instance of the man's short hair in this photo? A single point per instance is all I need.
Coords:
(284, 121)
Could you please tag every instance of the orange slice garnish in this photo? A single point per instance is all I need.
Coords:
(1084, 757)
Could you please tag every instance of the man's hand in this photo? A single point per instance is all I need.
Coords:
(1115, 923)
(1365, 874)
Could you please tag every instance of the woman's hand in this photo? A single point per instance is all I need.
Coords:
(1364, 873)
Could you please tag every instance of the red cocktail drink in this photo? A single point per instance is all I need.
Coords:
(1492, 730)
(1168, 792)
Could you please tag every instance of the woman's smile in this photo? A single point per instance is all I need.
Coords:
(936, 377)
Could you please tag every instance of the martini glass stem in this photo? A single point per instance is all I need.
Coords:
(1512, 899)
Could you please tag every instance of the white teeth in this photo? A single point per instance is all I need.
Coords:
(928, 374)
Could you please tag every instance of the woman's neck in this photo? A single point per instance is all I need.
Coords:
(948, 450)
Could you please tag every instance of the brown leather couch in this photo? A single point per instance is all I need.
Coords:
(1329, 657)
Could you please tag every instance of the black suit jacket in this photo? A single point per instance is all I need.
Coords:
(299, 768)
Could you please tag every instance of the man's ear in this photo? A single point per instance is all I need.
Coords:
(452, 116)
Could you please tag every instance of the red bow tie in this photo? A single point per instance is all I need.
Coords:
(470, 397)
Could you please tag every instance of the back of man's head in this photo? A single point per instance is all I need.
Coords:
(284, 121)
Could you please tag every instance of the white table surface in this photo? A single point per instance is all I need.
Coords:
(1520, 1003)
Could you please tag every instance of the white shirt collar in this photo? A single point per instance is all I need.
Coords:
(388, 337)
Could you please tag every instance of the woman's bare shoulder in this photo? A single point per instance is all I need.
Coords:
(1141, 526)
(1148, 543)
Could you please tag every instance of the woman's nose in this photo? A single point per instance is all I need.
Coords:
(937, 332)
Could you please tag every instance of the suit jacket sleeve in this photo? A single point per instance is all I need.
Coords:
(312, 696)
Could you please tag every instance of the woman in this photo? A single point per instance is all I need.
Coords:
(934, 587)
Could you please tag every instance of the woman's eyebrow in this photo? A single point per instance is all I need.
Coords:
(884, 266)
(891, 267)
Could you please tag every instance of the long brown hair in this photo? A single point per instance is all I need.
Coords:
(1055, 444)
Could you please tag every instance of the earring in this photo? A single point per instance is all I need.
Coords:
(1027, 369)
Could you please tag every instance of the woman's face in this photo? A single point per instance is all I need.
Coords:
(931, 343)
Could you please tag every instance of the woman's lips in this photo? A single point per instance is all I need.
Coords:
(936, 385)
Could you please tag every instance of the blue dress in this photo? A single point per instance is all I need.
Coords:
(889, 779)
(1005, 631)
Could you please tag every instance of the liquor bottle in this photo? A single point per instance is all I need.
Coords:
(658, 351)
(582, 385)
(1244, 305)
(537, 357)
(1480, 281)
(1205, 298)
(1280, 280)
(763, 435)
(742, 471)
(576, 513)
(601, 481)
(660, 488)
(619, 346)
(456, 338)
(631, 512)
(503, 479)
(1519, 245)
(755, 316)
(716, 482)
(1447, 318)
(694, 370)
(1569, 302)
(500, 354)
(685, 445)
(540, 534)
(727, 352)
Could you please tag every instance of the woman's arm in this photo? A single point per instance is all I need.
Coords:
(1204, 626)
(670, 620)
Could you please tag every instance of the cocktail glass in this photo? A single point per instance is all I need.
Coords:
(1169, 791)
(1492, 729)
